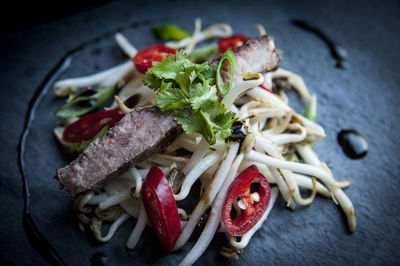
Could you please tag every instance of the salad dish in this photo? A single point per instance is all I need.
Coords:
(203, 117)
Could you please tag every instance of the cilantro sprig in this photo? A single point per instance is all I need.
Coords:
(189, 91)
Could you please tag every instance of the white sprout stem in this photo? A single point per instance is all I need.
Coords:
(240, 88)
(125, 45)
(283, 188)
(183, 214)
(293, 166)
(197, 171)
(195, 36)
(290, 138)
(263, 113)
(132, 207)
(344, 201)
(97, 199)
(295, 80)
(183, 142)
(305, 181)
(138, 180)
(261, 29)
(125, 109)
(113, 228)
(113, 79)
(198, 154)
(165, 160)
(217, 30)
(244, 241)
(139, 228)
(308, 155)
(84, 200)
(214, 217)
(258, 93)
(115, 199)
(208, 196)
(95, 78)
(294, 189)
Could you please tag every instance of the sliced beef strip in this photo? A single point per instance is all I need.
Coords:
(135, 138)
(255, 55)
(146, 131)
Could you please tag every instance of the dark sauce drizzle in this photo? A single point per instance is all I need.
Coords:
(37, 240)
(337, 50)
(353, 143)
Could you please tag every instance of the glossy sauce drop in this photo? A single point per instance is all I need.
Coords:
(353, 143)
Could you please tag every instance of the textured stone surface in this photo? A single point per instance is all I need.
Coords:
(364, 98)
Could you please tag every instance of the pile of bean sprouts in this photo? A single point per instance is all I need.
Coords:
(275, 133)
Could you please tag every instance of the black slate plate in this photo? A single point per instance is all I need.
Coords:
(309, 235)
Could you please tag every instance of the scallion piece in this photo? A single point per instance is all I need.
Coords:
(85, 103)
(170, 32)
(311, 108)
(202, 54)
(224, 87)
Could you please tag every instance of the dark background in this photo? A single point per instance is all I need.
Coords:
(36, 36)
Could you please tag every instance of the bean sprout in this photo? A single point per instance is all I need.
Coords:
(139, 228)
(106, 77)
(208, 196)
(125, 45)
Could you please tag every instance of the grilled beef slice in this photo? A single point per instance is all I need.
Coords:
(135, 138)
(146, 131)
(255, 55)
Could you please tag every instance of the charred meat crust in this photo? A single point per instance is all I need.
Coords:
(135, 138)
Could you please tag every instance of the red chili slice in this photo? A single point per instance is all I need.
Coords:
(233, 42)
(265, 88)
(144, 58)
(89, 125)
(240, 189)
(161, 208)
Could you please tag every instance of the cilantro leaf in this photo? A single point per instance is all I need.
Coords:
(177, 68)
(169, 98)
(221, 120)
(203, 93)
(188, 90)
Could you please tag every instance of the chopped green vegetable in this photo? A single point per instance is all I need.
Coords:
(202, 54)
(230, 58)
(293, 158)
(170, 32)
(188, 90)
(311, 108)
(79, 147)
(84, 104)
(311, 111)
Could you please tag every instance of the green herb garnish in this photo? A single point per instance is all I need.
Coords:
(170, 32)
(189, 91)
(85, 103)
